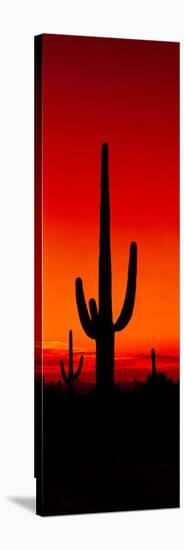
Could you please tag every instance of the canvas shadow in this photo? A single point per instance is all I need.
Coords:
(28, 503)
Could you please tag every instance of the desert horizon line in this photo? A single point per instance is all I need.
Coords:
(160, 350)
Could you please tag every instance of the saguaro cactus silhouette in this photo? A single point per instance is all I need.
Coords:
(71, 376)
(153, 365)
(99, 323)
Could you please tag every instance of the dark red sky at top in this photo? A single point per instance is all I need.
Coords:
(125, 93)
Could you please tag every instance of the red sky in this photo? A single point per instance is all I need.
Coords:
(125, 93)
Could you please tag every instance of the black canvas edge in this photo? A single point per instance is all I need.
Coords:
(38, 394)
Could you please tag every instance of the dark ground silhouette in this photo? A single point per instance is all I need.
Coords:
(106, 453)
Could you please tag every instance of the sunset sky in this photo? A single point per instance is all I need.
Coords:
(124, 93)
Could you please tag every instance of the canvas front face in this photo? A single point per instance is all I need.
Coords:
(107, 274)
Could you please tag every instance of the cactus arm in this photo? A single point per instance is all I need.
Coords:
(128, 305)
(93, 310)
(63, 373)
(84, 317)
(78, 371)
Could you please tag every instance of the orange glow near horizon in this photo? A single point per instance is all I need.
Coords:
(125, 93)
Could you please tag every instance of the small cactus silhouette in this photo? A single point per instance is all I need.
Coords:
(99, 324)
(71, 376)
(153, 365)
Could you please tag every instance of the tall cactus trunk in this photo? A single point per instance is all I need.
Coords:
(105, 338)
(105, 276)
(98, 324)
(105, 359)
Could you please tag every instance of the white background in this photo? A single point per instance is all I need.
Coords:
(19, 22)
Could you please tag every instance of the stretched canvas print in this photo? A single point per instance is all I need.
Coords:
(106, 274)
